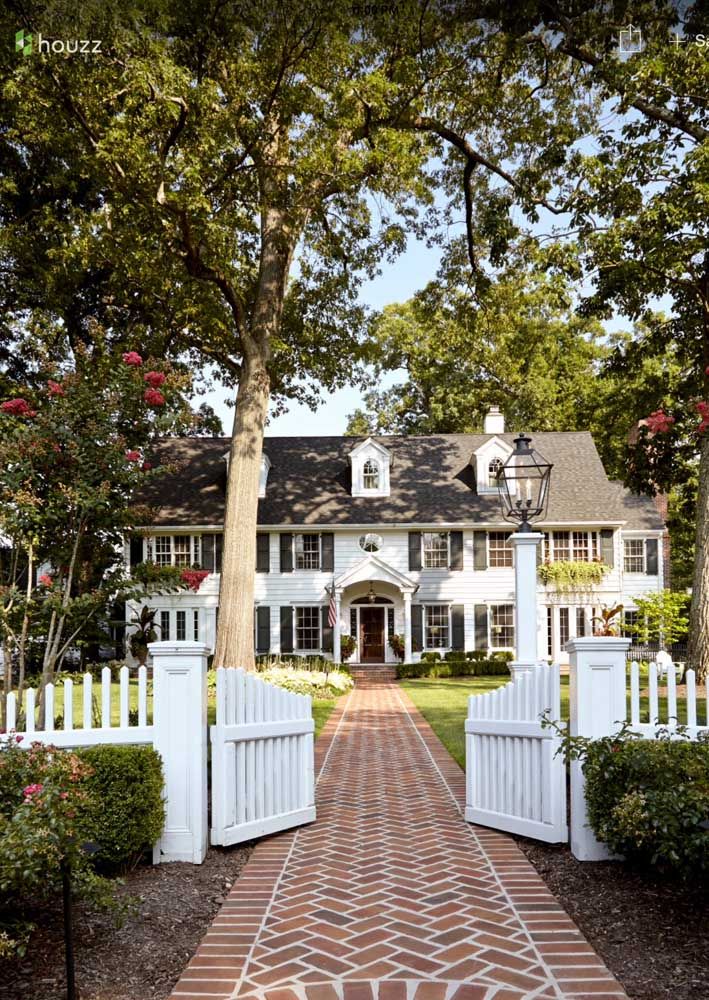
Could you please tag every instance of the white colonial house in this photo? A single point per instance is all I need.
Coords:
(405, 532)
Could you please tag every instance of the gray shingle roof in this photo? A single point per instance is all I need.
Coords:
(432, 481)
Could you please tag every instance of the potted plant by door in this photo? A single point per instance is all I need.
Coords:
(397, 644)
(347, 646)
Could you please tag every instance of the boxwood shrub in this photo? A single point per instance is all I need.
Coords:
(453, 668)
(127, 810)
(648, 800)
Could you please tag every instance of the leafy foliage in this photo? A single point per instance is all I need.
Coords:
(125, 811)
(648, 800)
(493, 667)
(566, 575)
(662, 616)
(608, 622)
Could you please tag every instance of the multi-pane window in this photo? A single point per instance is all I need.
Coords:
(492, 471)
(181, 625)
(560, 546)
(307, 551)
(174, 550)
(436, 626)
(580, 546)
(576, 546)
(580, 622)
(630, 621)
(435, 549)
(370, 475)
(164, 625)
(502, 626)
(307, 628)
(183, 550)
(195, 625)
(163, 550)
(500, 551)
(563, 626)
(550, 632)
(634, 555)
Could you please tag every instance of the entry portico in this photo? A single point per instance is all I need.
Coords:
(373, 585)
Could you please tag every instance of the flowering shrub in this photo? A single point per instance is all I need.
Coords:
(299, 680)
(194, 577)
(648, 800)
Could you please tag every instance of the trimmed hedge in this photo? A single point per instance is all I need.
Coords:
(454, 668)
(126, 791)
(648, 800)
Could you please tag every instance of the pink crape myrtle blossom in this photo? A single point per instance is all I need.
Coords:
(46, 580)
(18, 408)
(55, 388)
(146, 466)
(703, 411)
(133, 455)
(132, 358)
(154, 379)
(31, 790)
(153, 397)
(659, 422)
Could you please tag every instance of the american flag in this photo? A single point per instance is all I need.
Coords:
(332, 609)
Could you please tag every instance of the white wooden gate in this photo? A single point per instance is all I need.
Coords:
(262, 759)
(515, 781)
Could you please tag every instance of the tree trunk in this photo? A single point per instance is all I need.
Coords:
(698, 653)
(235, 635)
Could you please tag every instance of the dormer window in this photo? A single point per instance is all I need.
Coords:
(493, 468)
(370, 463)
(370, 475)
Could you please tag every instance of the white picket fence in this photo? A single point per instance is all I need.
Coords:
(87, 733)
(262, 744)
(515, 780)
(262, 759)
(658, 718)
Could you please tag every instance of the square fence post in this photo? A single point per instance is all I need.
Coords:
(180, 737)
(597, 693)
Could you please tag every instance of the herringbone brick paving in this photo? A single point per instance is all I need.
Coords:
(390, 895)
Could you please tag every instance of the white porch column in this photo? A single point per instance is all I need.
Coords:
(596, 708)
(524, 545)
(180, 737)
(407, 628)
(337, 631)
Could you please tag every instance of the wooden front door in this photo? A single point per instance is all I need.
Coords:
(371, 635)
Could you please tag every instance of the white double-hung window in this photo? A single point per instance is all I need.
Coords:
(434, 547)
(307, 628)
(436, 626)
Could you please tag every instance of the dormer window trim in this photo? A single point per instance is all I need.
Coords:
(370, 464)
(485, 457)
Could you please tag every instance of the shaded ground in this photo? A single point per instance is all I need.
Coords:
(653, 934)
(142, 959)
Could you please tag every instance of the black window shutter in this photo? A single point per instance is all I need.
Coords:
(456, 539)
(457, 627)
(208, 552)
(651, 556)
(218, 545)
(481, 626)
(607, 546)
(287, 629)
(327, 552)
(480, 550)
(136, 549)
(416, 624)
(263, 629)
(286, 552)
(414, 550)
(263, 554)
(326, 630)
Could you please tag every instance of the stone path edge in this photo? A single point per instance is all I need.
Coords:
(251, 895)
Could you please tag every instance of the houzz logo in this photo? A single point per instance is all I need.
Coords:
(27, 44)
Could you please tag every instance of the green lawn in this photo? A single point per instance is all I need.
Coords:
(444, 705)
(321, 707)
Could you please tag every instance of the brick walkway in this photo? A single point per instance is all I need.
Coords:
(390, 895)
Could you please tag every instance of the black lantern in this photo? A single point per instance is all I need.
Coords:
(524, 483)
(371, 596)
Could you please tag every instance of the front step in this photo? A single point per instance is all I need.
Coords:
(372, 672)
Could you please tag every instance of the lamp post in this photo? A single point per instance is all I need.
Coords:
(523, 482)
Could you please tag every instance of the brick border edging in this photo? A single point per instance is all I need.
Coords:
(217, 965)
(562, 945)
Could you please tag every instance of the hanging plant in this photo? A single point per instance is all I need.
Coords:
(565, 575)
